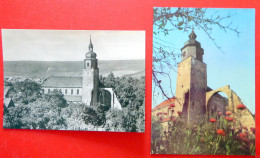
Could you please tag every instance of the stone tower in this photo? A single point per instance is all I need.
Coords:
(90, 77)
(192, 80)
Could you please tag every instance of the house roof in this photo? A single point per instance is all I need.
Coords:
(164, 103)
(63, 82)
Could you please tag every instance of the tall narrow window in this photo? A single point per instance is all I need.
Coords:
(66, 91)
(77, 91)
(49, 90)
(71, 91)
(88, 64)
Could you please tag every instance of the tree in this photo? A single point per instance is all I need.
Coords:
(168, 20)
(56, 98)
(25, 91)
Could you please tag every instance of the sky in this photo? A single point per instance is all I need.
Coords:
(71, 45)
(235, 66)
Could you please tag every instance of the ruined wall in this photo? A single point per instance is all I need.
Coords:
(217, 103)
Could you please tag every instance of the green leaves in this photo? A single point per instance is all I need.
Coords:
(180, 23)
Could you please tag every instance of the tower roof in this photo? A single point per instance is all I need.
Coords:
(192, 41)
(90, 46)
(90, 53)
(192, 35)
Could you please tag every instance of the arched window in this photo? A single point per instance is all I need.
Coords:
(77, 91)
(66, 91)
(71, 91)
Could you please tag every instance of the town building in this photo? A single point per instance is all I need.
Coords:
(86, 89)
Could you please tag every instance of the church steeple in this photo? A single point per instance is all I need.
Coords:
(90, 77)
(192, 35)
(90, 46)
(192, 48)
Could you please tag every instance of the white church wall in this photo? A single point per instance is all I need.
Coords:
(76, 91)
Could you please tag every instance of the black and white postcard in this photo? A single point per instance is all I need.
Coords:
(74, 80)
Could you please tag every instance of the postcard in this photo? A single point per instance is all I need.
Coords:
(74, 80)
(203, 98)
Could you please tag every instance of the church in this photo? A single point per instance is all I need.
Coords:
(86, 89)
(193, 98)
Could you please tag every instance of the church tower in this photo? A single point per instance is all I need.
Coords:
(192, 81)
(90, 77)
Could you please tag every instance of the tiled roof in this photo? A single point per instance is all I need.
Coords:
(73, 98)
(63, 82)
(164, 103)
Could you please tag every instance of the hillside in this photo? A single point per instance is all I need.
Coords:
(72, 68)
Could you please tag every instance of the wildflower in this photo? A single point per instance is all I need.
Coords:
(179, 112)
(212, 120)
(172, 105)
(226, 118)
(228, 113)
(158, 113)
(244, 138)
(230, 119)
(219, 113)
(252, 129)
(221, 132)
(165, 113)
(241, 107)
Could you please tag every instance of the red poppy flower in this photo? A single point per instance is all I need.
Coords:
(221, 132)
(165, 113)
(230, 119)
(244, 138)
(241, 107)
(158, 113)
(219, 113)
(212, 120)
(172, 105)
(226, 118)
(242, 135)
(228, 113)
(179, 112)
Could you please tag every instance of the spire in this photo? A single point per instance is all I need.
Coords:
(192, 35)
(90, 47)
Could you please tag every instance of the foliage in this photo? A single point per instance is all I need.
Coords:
(94, 115)
(25, 91)
(223, 137)
(51, 111)
(130, 93)
(56, 97)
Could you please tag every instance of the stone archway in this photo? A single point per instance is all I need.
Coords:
(245, 116)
